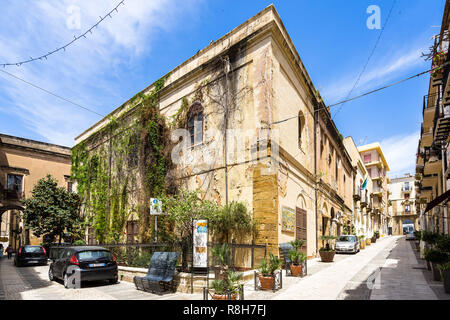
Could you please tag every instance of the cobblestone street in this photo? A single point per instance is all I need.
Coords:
(387, 270)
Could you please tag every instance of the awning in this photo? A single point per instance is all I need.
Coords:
(433, 203)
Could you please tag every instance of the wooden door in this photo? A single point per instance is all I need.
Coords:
(301, 227)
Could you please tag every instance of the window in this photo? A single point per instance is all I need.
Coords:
(406, 195)
(15, 182)
(369, 172)
(132, 231)
(407, 208)
(91, 236)
(69, 186)
(195, 124)
(367, 158)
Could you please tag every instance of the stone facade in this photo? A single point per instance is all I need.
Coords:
(403, 199)
(23, 163)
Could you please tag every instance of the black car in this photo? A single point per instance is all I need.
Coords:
(89, 263)
(30, 255)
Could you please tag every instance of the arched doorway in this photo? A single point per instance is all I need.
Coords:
(14, 231)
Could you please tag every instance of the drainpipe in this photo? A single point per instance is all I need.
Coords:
(316, 119)
(227, 69)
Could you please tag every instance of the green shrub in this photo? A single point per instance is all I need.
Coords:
(79, 243)
(436, 256)
(443, 243)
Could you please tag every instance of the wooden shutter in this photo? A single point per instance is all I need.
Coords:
(301, 226)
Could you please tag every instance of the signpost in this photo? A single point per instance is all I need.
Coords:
(155, 210)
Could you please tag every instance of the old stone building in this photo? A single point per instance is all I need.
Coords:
(22, 163)
(377, 168)
(403, 199)
(362, 193)
(335, 177)
(248, 82)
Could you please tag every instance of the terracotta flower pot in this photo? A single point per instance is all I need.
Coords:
(267, 283)
(446, 276)
(327, 256)
(363, 245)
(436, 272)
(225, 297)
(368, 242)
(296, 270)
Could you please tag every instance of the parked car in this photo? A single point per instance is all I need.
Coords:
(410, 236)
(347, 243)
(30, 255)
(92, 263)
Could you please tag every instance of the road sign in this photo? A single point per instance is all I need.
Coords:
(155, 206)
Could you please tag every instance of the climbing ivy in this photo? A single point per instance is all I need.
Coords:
(121, 155)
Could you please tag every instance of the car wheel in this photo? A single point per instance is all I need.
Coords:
(51, 276)
(114, 281)
(66, 281)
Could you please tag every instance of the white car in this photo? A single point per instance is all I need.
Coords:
(410, 236)
(347, 243)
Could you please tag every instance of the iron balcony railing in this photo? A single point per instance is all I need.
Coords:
(12, 195)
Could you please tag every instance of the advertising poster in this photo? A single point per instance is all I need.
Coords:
(200, 243)
(288, 220)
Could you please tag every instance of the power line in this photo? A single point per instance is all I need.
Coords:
(68, 44)
(369, 92)
(51, 93)
(368, 59)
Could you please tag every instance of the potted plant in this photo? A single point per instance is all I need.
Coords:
(377, 234)
(227, 288)
(436, 257)
(362, 242)
(327, 252)
(368, 241)
(425, 253)
(267, 272)
(221, 253)
(445, 271)
(297, 259)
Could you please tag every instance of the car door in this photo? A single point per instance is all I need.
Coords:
(58, 264)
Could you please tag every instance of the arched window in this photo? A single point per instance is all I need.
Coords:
(195, 123)
(301, 124)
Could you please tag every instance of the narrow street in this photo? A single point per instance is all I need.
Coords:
(387, 270)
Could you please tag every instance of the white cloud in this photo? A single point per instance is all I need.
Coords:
(384, 70)
(400, 152)
(92, 72)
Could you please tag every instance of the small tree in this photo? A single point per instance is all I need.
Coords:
(232, 220)
(51, 210)
(181, 210)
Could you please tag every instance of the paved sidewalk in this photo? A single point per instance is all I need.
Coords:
(403, 279)
(325, 281)
(31, 283)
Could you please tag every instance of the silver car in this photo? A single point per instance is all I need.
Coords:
(347, 243)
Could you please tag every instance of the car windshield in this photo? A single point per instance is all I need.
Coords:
(33, 249)
(347, 238)
(94, 254)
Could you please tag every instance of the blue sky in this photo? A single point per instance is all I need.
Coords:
(146, 39)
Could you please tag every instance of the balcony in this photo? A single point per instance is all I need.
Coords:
(406, 188)
(12, 195)
(364, 200)
(357, 194)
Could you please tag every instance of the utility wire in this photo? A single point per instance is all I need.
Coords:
(367, 93)
(368, 59)
(68, 44)
(51, 93)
